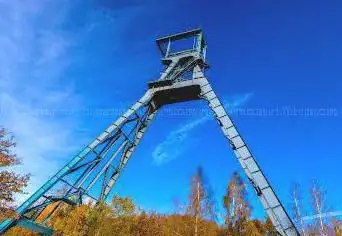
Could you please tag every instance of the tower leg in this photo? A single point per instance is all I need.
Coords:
(279, 217)
(128, 125)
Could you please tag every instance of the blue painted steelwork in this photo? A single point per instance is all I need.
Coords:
(104, 159)
(34, 226)
(134, 120)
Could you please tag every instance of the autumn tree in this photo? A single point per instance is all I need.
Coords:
(72, 221)
(237, 207)
(297, 208)
(123, 206)
(318, 207)
(124, 215)
(269, 228)
(10, 182)
(337, 227)
(201, 204)
(255, 228)
(149, 224)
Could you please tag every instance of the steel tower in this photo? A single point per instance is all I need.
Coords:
(93, 173)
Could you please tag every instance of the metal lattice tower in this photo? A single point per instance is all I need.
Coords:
(93, 173)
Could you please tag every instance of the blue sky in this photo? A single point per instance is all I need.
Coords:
(69, 68)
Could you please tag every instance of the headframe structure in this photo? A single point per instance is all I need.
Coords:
(93, 172)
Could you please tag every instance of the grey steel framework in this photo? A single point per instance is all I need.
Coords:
(93, 173)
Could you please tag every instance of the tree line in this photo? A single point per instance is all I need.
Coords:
(198, 216)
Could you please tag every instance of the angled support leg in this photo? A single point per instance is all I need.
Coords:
(127, 155)
(95, 152)
(272, 205)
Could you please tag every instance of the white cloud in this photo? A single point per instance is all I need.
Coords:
(237, 100)
(33, 60)
(172, 147)
(323, 215)
(40, 42)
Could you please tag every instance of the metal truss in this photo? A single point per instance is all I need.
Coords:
(92, 174)
(274, 209)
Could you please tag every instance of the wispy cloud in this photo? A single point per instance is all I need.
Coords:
(172, 147)
(34, 58)
(41, 41)
(323, 215)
